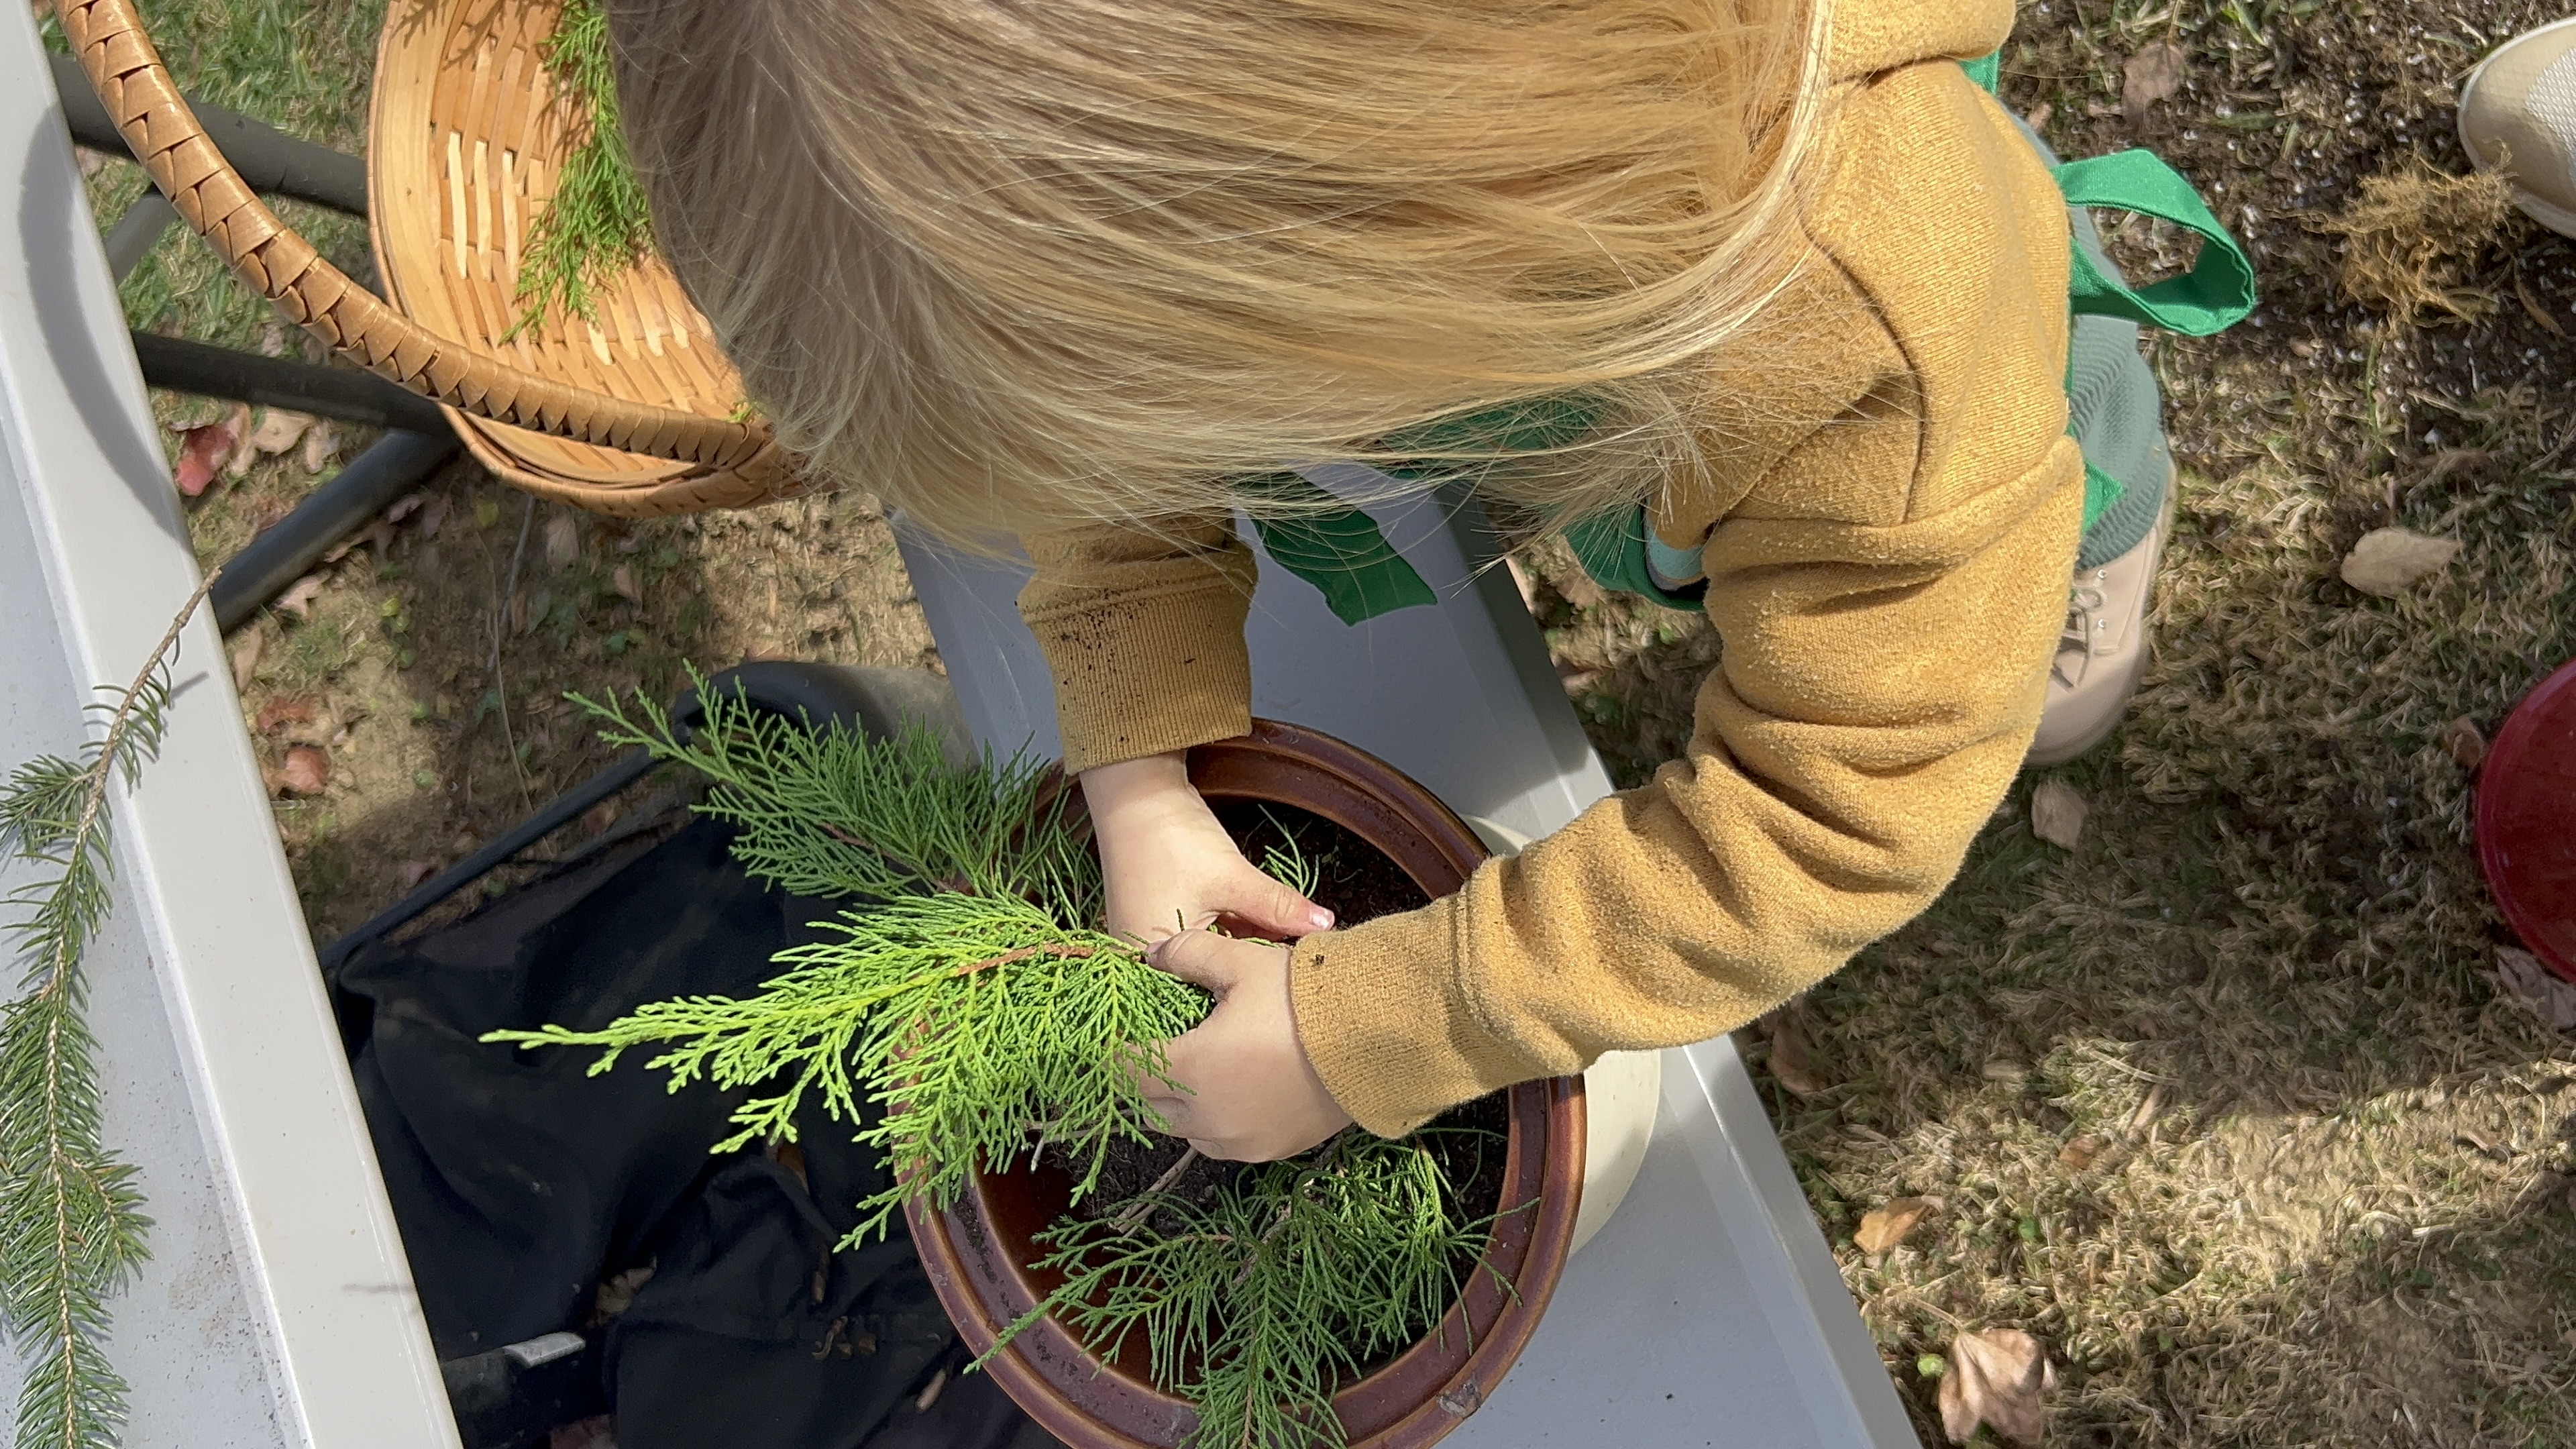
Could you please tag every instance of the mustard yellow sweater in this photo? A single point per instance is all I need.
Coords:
(1888, 538)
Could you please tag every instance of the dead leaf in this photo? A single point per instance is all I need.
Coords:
(518, 612)
(563, 540)
(279, 430)
(272, 340)
(415, 871)
(1882, 1228)
(2389, 560)
(2080, 1153)
(285, 710)
(1522, 581)
(1790, 1061)
(599, 817)
(405, 506)
(2152, 74)
(246, 658)
(299, 596)
(238, 465)
(305, 771)
(1998, 1377)
(203, 451)
(378, 535)
(2039, 116)
(321, 445)
(2057, 814)
(2004, 1069)
(2464, 742)
(2525, 982)
(433, 516)
(623, 581)
(91, 162)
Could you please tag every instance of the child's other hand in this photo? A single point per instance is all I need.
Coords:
(1168, 866)
(1252, 1095)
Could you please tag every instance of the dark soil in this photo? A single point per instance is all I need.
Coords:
(1352, 879)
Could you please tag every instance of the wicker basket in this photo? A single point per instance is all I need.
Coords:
(636, 415)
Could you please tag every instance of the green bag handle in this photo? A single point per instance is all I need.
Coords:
(2213, 296)
(1339, 550)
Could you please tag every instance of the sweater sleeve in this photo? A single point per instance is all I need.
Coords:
(1888, 585)
(1142, 628)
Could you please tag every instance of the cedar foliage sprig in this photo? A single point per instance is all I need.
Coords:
(598, 223)
(71, 1220)
(977, 1017)
(964, 992)
(838, 813)
(1258, 1305)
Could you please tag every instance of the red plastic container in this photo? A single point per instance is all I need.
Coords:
(2527, 821)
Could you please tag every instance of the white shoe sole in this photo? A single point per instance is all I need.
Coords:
(2557, 218)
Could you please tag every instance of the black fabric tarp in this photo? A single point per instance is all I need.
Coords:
(522, 1182)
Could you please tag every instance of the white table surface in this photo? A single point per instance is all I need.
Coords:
(277, 1308)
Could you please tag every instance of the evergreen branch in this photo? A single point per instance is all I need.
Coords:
(598, 223)
(963, 998)
(71, 1220)
(835, 813)
(1258, 1306)
(971, 1018)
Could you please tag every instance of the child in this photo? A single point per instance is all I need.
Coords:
(1064, 269)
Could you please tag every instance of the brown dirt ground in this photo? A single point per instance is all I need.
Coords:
(2222, 1105)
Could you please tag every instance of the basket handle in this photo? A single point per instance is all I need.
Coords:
(145, 104)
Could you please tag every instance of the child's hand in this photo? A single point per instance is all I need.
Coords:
(1168, 866)
(1252, 1094)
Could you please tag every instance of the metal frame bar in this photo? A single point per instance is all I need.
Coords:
(268, 158)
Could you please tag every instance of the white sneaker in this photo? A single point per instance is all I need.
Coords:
(2104, 648)
(2518, 113)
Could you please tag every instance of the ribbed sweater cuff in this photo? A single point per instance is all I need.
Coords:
(1146, 677)
(1381, 1017)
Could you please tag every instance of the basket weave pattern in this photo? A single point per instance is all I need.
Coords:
(629, 417)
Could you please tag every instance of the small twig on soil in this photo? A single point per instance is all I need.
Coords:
(1267, 1234)
(1134, 1213)
(500, 688)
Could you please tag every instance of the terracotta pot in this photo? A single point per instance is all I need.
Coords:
(978, 1252)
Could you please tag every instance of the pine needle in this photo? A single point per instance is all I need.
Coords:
(71, 1220)
(597, 224)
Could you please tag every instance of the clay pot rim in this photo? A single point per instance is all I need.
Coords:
(1436, 1382)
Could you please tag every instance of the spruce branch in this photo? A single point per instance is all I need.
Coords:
(71, 1219)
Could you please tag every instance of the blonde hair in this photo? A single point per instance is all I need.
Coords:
(1018, 264)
